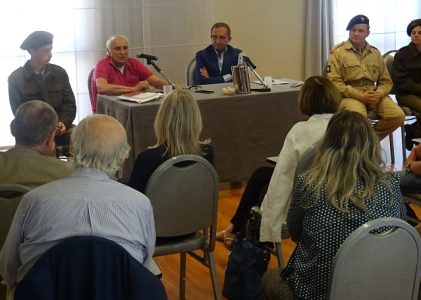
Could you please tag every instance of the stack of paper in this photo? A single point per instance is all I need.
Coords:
(141, 97)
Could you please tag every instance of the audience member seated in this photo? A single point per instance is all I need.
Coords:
(213, 64)
(407, 78)
(88, 202)
(40, 80)
(357, 69)
(178, 126)
(32, 162)
(344, 187)
(117, 73)
(318, 99)
(411, 176)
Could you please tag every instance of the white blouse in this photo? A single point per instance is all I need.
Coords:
(275, 205)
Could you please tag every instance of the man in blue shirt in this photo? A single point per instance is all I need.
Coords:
(87, 203)
(213, 64)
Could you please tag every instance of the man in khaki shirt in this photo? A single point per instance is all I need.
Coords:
(357, 69)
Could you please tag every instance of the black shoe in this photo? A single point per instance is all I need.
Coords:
(409, 135)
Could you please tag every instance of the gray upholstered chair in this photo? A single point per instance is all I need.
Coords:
(184, 195)
(371, 265)
(190, 71)
(10, 195)
(90, 75)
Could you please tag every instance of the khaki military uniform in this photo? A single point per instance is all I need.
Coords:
(354, 72)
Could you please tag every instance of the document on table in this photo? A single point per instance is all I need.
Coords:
(141, 97)
(274, 81)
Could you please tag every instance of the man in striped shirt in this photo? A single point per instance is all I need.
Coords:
(87, 203)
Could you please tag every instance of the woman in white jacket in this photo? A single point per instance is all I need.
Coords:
(318, 99)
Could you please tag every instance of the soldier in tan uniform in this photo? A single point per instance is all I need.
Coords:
(357, 69)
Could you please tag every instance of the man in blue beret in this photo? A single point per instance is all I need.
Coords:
(40, 80)
(357, 69)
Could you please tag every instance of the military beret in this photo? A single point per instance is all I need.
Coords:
(358, 19)
(412, 25)
(37, 39)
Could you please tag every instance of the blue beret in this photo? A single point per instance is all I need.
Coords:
(358, 19)
(37, 39)
(412, 25)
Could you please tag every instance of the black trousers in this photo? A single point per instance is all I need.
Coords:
(253, 195)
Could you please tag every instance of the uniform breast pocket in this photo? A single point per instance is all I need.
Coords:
(352, 70)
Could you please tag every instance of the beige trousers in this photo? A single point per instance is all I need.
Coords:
(390, 114)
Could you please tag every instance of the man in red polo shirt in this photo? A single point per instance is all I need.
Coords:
(117, 73)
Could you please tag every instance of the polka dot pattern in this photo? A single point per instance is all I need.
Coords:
(320, 229)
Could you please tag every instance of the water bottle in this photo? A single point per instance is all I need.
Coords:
(240, 76)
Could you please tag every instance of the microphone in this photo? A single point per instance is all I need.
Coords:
(249, 62)
(146, 56)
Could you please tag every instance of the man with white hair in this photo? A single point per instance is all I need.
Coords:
(117, 73)
(87, 203)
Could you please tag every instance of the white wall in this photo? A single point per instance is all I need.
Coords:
(271, 32)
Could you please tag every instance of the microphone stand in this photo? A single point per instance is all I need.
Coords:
(252, 69)
(158, 69)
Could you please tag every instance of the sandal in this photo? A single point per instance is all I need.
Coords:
(221, 236)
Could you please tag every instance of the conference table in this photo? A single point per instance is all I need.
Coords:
(244, 128)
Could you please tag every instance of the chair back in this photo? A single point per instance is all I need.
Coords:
(373, 265)
(184, 195)
(10, 196)
(91, 73)
(190, 72)
(88, 268)
(388, 58)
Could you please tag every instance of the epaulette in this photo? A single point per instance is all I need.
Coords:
(336, 47)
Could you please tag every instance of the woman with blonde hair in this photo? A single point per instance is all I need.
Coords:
(344, 187)
(178, 125)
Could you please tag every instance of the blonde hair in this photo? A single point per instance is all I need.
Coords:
(319, 95)
(349, 153)
(178, 124)
(99, 142)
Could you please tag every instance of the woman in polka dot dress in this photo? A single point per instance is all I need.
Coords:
(345, 186)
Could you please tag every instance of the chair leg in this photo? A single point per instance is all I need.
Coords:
(278, 249)
(392, 148)
(403, 142)
(182, 292)
(215, 285)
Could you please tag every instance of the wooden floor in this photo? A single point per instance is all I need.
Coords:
(198, 282)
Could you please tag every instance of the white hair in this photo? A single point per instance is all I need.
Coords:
(113, 38)
(99, 142)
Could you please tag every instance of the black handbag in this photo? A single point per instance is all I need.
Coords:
(247, 262)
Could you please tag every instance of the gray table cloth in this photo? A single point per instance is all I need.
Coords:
(244, 129)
